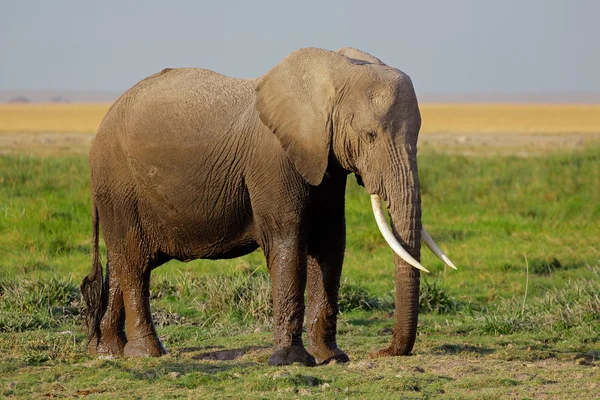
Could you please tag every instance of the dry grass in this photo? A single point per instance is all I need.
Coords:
(510, 118)
(51, 118)
(437, 118)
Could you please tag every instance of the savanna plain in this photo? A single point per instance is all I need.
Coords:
(510, 192)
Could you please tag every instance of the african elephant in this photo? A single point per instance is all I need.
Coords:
(191, 164)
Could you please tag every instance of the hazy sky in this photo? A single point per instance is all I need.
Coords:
(456, 46)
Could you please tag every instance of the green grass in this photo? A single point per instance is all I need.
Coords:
(479, 335)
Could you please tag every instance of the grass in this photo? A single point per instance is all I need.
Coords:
(437, 118)
(549, 349)
(477, 337)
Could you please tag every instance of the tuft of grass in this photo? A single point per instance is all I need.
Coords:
(433, 298)
(354, 297)
(215, 299)
(37, 304)
(545, 266)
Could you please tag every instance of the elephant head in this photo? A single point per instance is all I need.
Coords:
(351, 110)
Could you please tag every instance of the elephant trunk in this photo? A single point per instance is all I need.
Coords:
(404, 206)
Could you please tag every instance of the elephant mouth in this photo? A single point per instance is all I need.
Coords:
(391, 240)
(359, 180)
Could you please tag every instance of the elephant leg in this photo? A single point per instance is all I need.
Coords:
(287, 267)
(326, 245)
(132, 268)
(323, 289)
(112, 338)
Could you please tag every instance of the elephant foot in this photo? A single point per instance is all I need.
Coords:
(147, 346)
(291, 355)
(107, 346)
(325, 355)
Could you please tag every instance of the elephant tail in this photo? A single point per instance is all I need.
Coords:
(92, 285)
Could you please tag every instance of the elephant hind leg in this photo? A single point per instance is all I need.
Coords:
(142, 340)
(132, 265)
(112, 339)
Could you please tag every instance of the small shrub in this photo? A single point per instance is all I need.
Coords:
(544, 266)
(353, 296)
(435, 299)
(498, 324)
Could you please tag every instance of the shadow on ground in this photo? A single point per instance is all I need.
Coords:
(228, 355)
(462, 348)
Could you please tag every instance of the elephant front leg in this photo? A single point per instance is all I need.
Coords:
(287, 267)
(326, 255)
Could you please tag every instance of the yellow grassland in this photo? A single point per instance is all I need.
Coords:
(510, 118)
(51, 118)
(437, 118)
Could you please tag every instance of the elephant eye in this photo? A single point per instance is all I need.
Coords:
(371, 136)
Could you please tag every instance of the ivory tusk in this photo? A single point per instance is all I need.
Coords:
(435, 249)
(389, 236)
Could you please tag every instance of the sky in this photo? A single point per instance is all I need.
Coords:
(458, 46)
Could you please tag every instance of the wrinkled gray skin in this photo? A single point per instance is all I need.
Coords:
(191, 164)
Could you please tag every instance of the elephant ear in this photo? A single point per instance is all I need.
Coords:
(356, 54)
(295, 100)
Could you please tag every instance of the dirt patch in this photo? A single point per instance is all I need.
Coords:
(228, 355)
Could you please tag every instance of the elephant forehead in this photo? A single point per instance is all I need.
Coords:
(387, 89)
(371, 108)
(380, 99)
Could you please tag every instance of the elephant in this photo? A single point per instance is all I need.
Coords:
(191, 164)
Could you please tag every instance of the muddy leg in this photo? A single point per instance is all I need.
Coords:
(321, 316)
(287, 266)
(326, 245)
(133, 275)
(112, 327)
